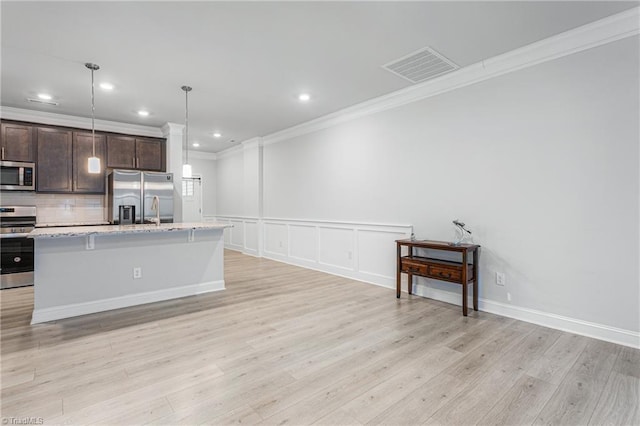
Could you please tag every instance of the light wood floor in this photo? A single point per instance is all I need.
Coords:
(285, 345)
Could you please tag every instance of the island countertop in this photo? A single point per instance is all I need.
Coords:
(79, 231)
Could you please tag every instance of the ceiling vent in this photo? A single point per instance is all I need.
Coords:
(421, 65)
(42, 101)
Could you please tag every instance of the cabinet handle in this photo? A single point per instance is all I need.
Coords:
(137, 162)
(442, 274)
(3, 152)
(134, 161)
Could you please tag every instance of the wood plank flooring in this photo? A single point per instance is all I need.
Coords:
(286, 345)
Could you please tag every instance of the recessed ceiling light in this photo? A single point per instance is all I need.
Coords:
(304, 97)
(217, 134)
(196, 144)
(44, 96)
(106, 86)
(143, 113)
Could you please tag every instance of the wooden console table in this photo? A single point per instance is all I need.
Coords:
(438, 269)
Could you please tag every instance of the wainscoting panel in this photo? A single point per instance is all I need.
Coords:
(243, 236)
(377, 252)
(276, 239)
(336, 246)
(251, 237)
(361, 251)
(303, 242)
(237, 234)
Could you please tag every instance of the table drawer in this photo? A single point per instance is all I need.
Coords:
(445, 273)
(414, 268)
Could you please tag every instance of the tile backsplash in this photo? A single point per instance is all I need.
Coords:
(59, 208)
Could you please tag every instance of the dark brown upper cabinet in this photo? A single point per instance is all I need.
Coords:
(127, 152)
(17, 142)
(149, 153)
(54, 161)
(121, 152)
(83, 181)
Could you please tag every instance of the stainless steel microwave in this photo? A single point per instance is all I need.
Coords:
(17, 176)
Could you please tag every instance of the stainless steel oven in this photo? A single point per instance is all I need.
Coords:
(17, 176)
(16, 250)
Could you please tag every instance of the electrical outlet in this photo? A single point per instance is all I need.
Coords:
(508, 297)
(500, 279)
(349, 255)
(137, 273)
(280, 245)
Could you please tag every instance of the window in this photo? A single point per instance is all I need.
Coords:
(187, 187)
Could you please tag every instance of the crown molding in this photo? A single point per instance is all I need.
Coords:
(53, 119)
(200, 155)
(252, 143)
(172, 128)
(603, 31)
(230, 151)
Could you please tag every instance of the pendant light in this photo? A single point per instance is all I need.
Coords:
(186, 167)
(94, 162)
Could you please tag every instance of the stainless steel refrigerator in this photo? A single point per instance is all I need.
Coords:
(137, 189)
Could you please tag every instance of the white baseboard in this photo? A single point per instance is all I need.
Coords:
(546, 319)
(559, 322)
(77, 309)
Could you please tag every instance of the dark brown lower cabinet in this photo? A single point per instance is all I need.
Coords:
(55, 160)
(83, 181)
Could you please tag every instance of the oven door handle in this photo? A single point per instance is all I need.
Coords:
(16, 235)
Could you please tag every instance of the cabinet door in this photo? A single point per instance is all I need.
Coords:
(149, 154)
(121, 152)
(54, 170)
(83, 181)
(17, 142)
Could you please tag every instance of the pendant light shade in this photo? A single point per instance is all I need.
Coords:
(94, 162)
(186, 171)
(186, 167)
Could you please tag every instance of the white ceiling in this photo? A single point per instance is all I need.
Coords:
(247, 61)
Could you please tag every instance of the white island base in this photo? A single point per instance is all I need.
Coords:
(83, 270)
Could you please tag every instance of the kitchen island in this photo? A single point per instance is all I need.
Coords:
(87, 269)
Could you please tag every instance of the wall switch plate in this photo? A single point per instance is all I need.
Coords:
(500, 279)
(137, 273)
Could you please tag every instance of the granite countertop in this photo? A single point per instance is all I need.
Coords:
(67, 224)
(79, 231)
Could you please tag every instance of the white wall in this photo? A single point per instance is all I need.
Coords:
(541, 163)
(207, 170)
(230, 184)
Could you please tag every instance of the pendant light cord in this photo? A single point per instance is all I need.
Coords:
(186, 123)
(93, 115)
(186, 89)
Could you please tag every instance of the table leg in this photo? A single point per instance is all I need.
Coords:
(475, 279)
(398, 276)
(410, 281)
(464, 283)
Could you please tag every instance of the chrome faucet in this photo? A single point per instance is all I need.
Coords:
(155, 206)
